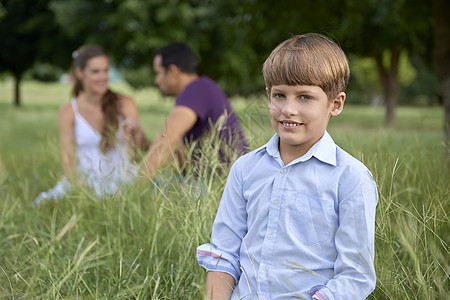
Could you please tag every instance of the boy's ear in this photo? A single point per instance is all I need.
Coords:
(337, 104)
(268, 92)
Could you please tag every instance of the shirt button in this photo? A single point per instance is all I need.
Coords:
(276, 202)
(270, 236)
(264, 298)
(283, 171)
(266, 268)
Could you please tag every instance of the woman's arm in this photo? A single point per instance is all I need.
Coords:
(66, 121)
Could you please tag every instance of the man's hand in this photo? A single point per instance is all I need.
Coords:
(134, 135)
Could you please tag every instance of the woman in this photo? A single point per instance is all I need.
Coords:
(95, 149)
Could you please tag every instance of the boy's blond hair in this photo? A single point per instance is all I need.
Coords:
(308, 59)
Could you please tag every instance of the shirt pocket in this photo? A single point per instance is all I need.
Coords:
(312, 219)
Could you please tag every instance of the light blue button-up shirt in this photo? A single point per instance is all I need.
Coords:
(284, 232)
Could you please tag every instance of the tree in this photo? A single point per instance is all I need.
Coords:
(131, 30)
(27, 33)
(18, 41)
(383, 30)
(233, 37)
(2, 11)
(442, 59)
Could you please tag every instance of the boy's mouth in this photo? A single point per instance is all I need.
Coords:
(289, 124)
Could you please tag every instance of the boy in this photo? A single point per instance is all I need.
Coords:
(297, 216)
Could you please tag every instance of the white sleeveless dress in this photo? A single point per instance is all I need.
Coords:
(104, 173)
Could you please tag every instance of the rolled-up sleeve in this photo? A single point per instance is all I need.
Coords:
(354, 269)
(229, 228)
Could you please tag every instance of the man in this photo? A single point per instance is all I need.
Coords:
(200, 104)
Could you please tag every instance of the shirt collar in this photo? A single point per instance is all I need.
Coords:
(272, 146)
(324, 150)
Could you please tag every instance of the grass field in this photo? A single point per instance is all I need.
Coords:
(140, 243)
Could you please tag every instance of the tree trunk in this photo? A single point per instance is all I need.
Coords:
(446, 98)
(442, 60)
(17, 80)
(389, 82)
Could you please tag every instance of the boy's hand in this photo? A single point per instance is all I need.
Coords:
(219, 285)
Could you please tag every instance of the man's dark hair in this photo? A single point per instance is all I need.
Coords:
(180, 55)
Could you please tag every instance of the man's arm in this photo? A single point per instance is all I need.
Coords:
(219, 285)
(181, 119)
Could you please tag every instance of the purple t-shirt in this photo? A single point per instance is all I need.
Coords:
(209, 102)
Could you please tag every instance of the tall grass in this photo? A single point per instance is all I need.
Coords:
(140, 243)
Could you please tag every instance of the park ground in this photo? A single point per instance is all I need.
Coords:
(140, 243)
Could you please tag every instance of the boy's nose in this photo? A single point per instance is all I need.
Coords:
(288, 108)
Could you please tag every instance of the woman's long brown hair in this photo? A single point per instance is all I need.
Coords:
(110, 101)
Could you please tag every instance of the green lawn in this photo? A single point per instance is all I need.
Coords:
(140, 243)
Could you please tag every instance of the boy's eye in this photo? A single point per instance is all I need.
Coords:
(305, 97)
(278, 96)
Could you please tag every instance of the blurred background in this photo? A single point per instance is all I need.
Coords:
(396, 48)
(140, 243)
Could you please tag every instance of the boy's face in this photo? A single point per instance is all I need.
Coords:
(300, 115)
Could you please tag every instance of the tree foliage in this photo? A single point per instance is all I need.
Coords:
(231, 37)
(442, 60)
(131, 30)
(383, 30)
(28, 32)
